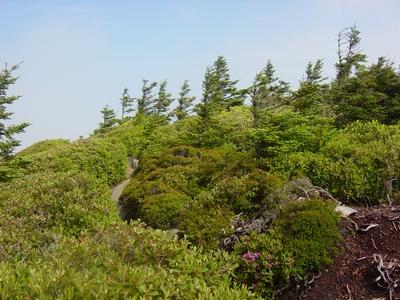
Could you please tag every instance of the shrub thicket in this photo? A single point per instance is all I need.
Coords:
(103, 158)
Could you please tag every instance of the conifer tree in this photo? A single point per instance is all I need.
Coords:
(7, 141)
(267, 93)
(349, 53)
(184, 102)
(109, 120)
(126, 103)
(146, 101)
(311, 96)
(219, 91)
(163, 100)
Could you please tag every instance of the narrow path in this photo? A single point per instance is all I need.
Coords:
(117, 190)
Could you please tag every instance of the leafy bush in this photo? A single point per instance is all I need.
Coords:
(303, 239)
(265, 265)
(310, 233)
(37, 209)
(104, 158)
(358, 164)
(119, 262)
(43, 146)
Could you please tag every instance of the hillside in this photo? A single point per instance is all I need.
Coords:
(234, 197)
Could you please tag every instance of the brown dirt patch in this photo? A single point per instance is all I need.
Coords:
(354, 275)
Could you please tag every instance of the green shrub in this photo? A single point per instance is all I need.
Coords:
(303, 239)
(265, 265)
(120, 262)
(205, 224)
(358, 165)
(43, 146)
(310, 232)
(37, 209)
(105, 159)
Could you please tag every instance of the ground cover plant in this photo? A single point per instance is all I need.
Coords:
(231, 197)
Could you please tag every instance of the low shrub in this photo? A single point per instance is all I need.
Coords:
(103, 158)
(37, 209)
(303, 239)
(122, 261)
(310, 232)
(43, 146)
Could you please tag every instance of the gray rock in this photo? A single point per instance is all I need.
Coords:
(345, 210)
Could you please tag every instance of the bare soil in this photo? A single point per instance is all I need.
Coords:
(117, 190)
(368, 266)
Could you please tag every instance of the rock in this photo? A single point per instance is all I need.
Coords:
(345, 210)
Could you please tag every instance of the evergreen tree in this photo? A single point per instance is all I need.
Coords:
(219, 91)
(204, 108)
(372, 94)
(7, 141)
(163, 100)
(184, 102)
(146, 101)
(126, 103)
(109, 120)
(267, 93)
(349, 53)
(311, 96)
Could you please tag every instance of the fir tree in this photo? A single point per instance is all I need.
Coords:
(126, 103)
(349, 53)
(267, 93)
(7, 141)
(163, 100)
(146, 101)
(109, 120)
(184, 102)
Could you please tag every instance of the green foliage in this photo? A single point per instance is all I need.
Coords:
(43, 146)
(303, 239)
(205, 223)
(38, 209)
(372, 94)
(109, 120)
(310, 233)
(101, 157)
(290, 132)
(162, 187)
(122, 261)
(358, 164)
(7, 141)
(265, 265)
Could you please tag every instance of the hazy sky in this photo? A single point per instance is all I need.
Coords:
(79, 55)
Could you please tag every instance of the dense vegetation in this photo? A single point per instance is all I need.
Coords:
(233, 197)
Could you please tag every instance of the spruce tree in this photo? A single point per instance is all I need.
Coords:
(146, 101)
(109, 120)
(267, 93)
(185, 102)
(349, 53)
(163, 100)
(7, 141)
(219, 91)
(126, 103)
(311, 96)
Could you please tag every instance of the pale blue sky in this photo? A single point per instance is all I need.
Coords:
(79, 55)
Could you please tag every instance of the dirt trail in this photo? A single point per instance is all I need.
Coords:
(117, 190)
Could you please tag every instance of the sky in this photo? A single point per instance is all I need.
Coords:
(78, 56)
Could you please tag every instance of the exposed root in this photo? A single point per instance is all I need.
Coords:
(386, 270)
